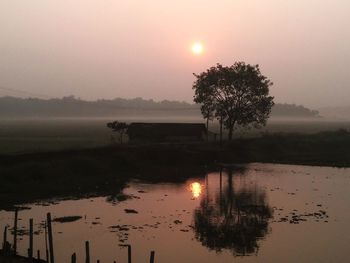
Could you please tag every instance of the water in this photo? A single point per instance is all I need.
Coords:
(259, 213)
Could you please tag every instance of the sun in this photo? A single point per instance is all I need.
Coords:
(197, 48)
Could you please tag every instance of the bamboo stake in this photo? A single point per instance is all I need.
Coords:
(129, 253)
(46, 248)
(15, 233)
(74, 258)
(30, 240)
(87, 252)
(151, 260)
(49, 229)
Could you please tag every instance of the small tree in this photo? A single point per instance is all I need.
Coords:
(120, 127)
(239, 95)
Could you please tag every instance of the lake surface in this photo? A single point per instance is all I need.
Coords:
(254, 213)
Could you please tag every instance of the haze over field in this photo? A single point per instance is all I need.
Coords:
(11, 107)
(107, 49)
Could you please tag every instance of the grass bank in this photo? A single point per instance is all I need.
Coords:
(106, 170)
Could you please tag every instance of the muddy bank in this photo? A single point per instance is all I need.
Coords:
(93, 172)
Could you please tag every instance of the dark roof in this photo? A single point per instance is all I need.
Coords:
(138, 129)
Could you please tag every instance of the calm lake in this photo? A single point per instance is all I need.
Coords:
(253, 213)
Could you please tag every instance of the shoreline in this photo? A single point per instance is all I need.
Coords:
(106, 170)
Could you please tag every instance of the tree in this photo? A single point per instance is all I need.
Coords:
(120, 127)
(236, 217)
(238, 95)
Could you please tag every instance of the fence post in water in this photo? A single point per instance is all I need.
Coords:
(74, 258)
(87, 252)
(46, 249)
(30, 240)
(15, 233)
(151, 260)
(129, 253)
(49, 230)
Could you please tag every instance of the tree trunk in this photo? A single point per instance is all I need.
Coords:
(230, 133)
(207, 129)
(221, 129)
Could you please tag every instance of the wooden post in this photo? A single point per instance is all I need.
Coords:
(74, 258)
(129, 253)
(49, 230)
(87, 252)
(151, 260)
(5, 240)
(30, 240)
(46, 247)
(15, 233)
(38, 255)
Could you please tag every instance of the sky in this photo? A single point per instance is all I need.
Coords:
(97, 49)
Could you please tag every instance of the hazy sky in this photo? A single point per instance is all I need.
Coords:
(137, 48)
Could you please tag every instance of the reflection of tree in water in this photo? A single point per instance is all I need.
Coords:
(235, 220)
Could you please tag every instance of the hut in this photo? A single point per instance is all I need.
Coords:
(165, 132)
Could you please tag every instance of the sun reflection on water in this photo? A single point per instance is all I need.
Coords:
(196, 189)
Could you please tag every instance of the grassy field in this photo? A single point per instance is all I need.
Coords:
(106, 170)
(43, 135)
(25, 136)
(74, 157)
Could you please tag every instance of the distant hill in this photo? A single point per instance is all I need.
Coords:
(341, 113)
(292, 110)
(74, 107)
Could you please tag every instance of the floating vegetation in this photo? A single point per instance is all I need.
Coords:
(121, 197)
(295, 218)
(67, 219)
(120, 227)
(131, 211)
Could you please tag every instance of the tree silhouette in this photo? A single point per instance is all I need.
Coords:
(235, 220)
(208, 112)
(237, 95)
(120, 127)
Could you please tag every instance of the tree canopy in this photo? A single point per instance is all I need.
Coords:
(120, 127)
(237, 95)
